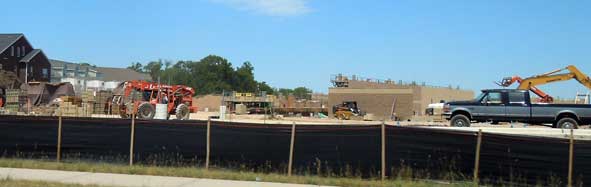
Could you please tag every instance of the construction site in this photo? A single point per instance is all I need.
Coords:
(357, 115)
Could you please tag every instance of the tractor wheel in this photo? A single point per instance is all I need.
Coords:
(124, 115)
(182, 112)
(146, 111)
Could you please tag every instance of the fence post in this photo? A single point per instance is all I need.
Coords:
(131, 143)
(570, 158)
(477, 159)
(291, 146)
(383, 150)
(59, 138)
(208, 142)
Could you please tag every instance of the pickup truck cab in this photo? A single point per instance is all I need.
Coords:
(510, 105)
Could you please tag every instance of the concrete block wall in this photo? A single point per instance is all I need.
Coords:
(376, 101)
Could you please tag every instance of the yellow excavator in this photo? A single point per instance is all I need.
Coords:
(531, 83)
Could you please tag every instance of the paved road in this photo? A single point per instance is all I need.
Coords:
(123, 180)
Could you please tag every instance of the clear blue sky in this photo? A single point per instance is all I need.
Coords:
(302, 42)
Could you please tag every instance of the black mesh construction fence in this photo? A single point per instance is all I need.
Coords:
(328, 150)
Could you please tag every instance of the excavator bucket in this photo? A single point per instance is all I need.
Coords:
(506, 82)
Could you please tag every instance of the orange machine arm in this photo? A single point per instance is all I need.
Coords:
(544, 97)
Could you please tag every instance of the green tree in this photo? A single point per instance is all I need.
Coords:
(154, 68)
(136, 67)
(264, 87)
(302, 93)
(244, 78)
(212, 74)
(284, 91)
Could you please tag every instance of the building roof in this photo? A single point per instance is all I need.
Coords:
(6, 40)
(57, 63)
(31, 55)
(121, 74)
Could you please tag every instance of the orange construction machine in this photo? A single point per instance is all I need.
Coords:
(143, 96)
(530, 83)
(544, 97)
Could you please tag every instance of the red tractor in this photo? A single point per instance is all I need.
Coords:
(143, 97)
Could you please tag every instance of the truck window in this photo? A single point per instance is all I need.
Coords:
(493, 98)
(516, 98)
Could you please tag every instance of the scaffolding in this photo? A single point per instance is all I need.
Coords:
(582, 98)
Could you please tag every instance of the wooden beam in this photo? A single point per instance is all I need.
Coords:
(131, 143)
(383, 150)
(570, 158)
(291, 147)
(477, 159)
(208, 142)
(59, 138)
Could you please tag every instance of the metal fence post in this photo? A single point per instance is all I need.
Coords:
(570, 158)
(291, 146)
(208, 142)
(477, 159)
(59, 138)
(383, 151)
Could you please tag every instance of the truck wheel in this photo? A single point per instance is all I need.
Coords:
(146, 111)
(182, 112)
(460, 121)
(567, 123)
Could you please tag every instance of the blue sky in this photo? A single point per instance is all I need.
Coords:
(302, 42)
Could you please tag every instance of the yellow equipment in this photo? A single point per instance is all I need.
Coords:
(346, 110)
(552, 76)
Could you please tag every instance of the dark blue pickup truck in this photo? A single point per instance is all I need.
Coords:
(510, 105)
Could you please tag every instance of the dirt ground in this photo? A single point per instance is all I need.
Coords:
(583, 133)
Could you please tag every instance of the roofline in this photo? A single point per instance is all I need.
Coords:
(37, 51)
(21, 35)
(40, 53)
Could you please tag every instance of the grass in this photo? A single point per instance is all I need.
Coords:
(27, 183)
(194, 172)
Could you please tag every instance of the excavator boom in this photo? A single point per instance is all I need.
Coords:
(574, 73)
(531, 83)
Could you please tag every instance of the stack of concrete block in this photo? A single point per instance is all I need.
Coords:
(102, 99)
(66, 108)
(16, 99)
(45, 110)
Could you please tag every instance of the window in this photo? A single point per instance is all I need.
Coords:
(24, 53)
(516, 98)
(493, 98)
(45, 73)
(18, 52)
(11, 50)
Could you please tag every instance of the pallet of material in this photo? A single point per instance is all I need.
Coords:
(44, 110)
(88, 96)
(77, 101)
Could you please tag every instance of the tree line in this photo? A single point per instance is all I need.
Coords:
(213, 75)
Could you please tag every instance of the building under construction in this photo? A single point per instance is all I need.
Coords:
(387, 99)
